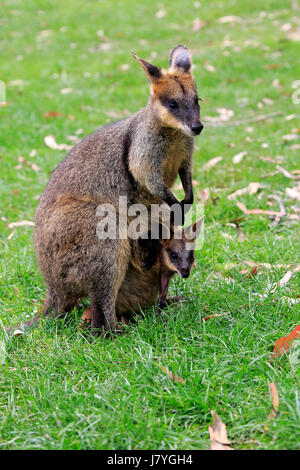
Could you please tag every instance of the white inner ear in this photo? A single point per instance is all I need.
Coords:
(183, 61)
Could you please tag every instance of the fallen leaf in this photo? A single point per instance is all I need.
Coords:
(16, 83)
(51, 143)
(197, 24)
(265, 212)
(285, 279)
(211, 163)
(275, 401)
(286, 173)
(224, 115)
(238, 158)
(160, 13)
(289, 301)
(290, 137)
(253, 271)
(218, 434)
(283, 344)
(271, 66)
(11, 235)
(22, 223)
(204, 195)
(211, 316)
(252, 188)
(53, 114)
(292, 193)
(174, 377)
(293, 35)
(267, 159)
(210, 68)
(18, 332)
(31, 165)
(229, 19)
(66, 91)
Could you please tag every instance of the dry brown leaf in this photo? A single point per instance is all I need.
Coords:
(224, 115)
(31, 165)
(283, 344)
(53, 114)
(174, 377)
(285, 279)
(275, 396)
(211, 163)
(286, 173)
(238, 158)
(210, 68)
(293, 35)
(218, 434)
(18, 332)
(267, 159)
(293, 193)
(263, 212)
(21, 223)
(197, 24)
(290, 137)
(160, 13)
(252, 188)
(211, 316)
(204, 195)
(229, 19)
(11, 235)
(51, 143)
(66, 91)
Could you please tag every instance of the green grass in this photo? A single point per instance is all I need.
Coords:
(59, 390)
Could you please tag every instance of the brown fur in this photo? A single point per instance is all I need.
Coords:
(138, 157)
(141, 289)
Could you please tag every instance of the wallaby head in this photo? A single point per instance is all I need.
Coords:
(177, 254)
(173, 95)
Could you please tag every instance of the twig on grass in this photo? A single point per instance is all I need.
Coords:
(262, 117)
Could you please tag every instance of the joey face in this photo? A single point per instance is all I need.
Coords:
(177, 259)
(178, 254)
(173, 95)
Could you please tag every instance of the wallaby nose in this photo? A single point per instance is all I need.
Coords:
(197, 128)
(185, 273)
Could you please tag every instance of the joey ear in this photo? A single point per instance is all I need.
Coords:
(152, 72)
(180, 60)
(164, 243)
(193, 231)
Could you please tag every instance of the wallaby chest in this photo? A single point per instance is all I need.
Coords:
(176, 153)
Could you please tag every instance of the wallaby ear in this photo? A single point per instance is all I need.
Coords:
(180, 60)
(152, 72)
(193, 231)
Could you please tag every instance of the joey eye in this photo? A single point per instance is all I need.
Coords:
(173, 255)
(172, 105)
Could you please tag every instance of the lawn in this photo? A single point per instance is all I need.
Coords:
(68, 69)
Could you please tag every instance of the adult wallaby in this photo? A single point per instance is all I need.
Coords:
(138, 157)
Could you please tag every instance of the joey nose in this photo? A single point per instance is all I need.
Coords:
(185, 273)
(197, 128)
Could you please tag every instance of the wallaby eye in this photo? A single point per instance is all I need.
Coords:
(172, 104)
(173, 255)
